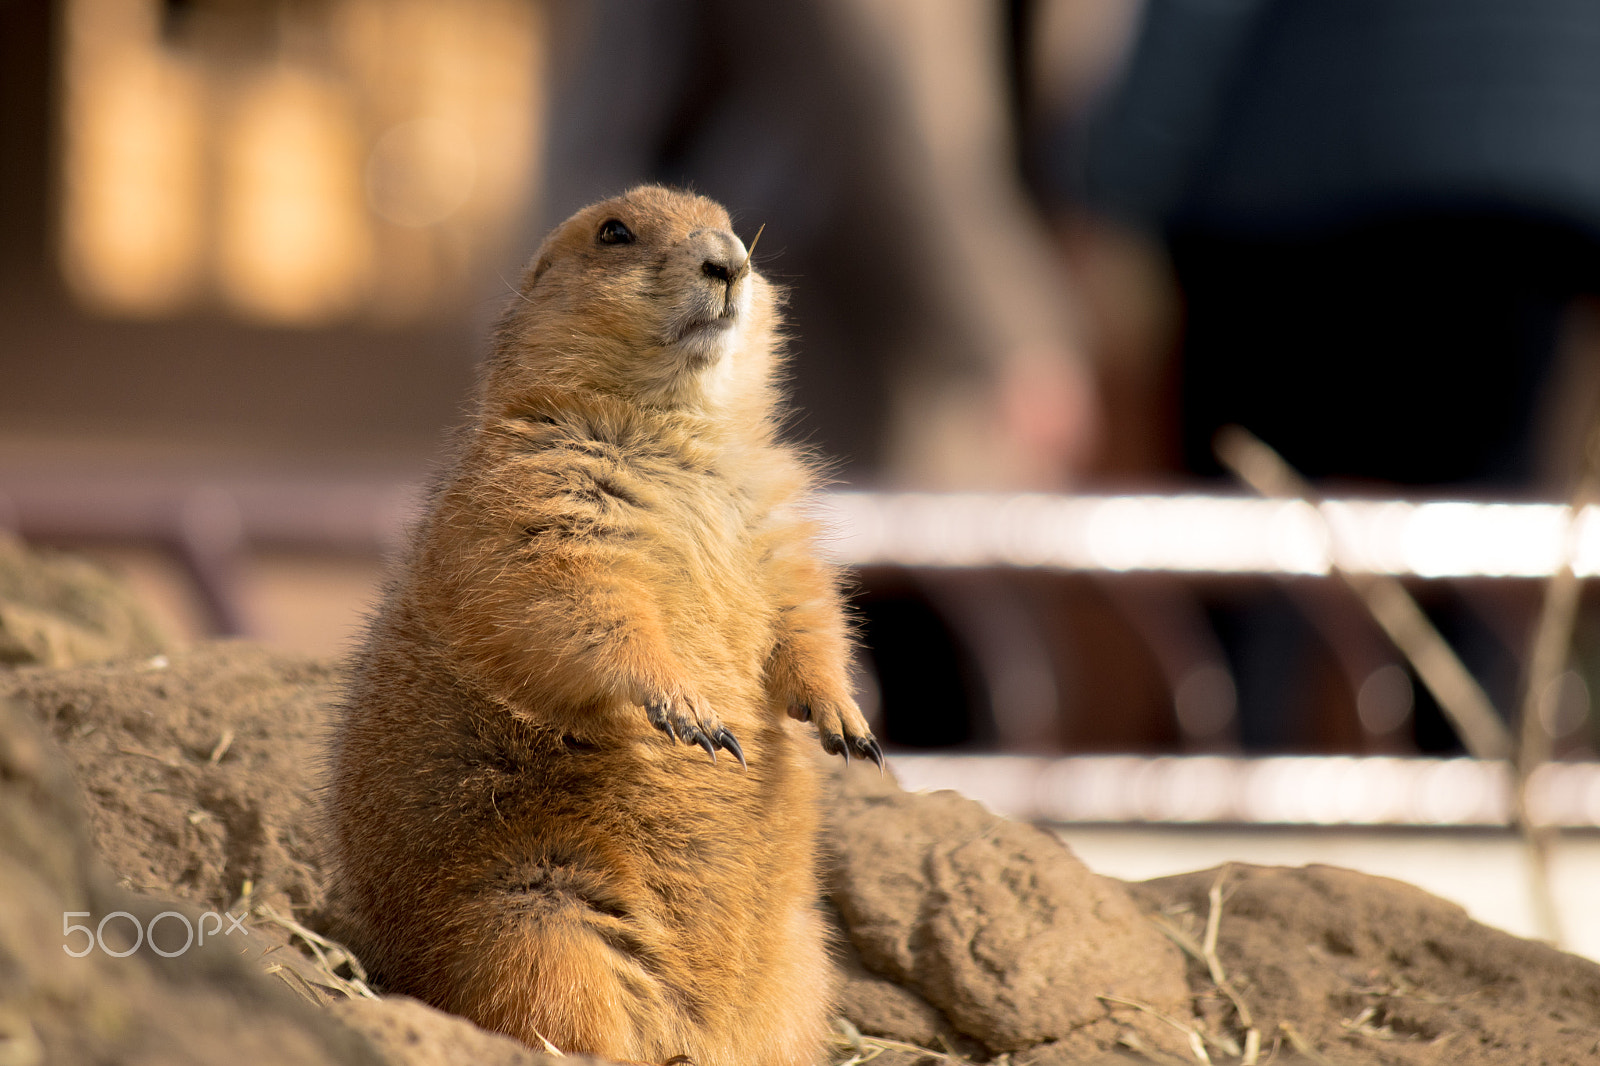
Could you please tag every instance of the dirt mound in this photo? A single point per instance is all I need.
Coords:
(960, 932)
(1377, 971)
(200, 768)
(58, 610)
(204, 1005)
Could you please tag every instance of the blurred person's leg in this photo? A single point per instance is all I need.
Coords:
(1409, 353)
(1407, 357)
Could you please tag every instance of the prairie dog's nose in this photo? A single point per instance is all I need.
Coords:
(721, 253)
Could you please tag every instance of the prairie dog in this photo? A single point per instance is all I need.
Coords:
(616, 561)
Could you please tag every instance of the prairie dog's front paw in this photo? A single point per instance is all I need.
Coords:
(683, 717)
(840, 726)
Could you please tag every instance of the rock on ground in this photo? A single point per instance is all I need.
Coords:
(997, 924)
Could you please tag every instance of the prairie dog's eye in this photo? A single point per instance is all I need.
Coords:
(612, 231)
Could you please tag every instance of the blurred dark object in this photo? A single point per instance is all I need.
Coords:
(1381, 218)
(1410, 351)
(1379, 214)
(1268, 118)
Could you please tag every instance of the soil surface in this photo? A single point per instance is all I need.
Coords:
(186, 781)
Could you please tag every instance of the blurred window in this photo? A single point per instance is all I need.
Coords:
(298, 163)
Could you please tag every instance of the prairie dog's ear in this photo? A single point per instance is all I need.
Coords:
(539, 268)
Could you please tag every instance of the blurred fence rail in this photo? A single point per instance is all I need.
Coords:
(1310, 790)
(1180, 533)
(343, 513)
(1200, 534)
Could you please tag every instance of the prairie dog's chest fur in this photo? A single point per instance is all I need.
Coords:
(643, 497)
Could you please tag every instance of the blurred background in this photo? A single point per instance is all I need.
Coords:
(250, 252)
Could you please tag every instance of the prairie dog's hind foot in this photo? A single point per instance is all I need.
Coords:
(691, 721)
(841, 728)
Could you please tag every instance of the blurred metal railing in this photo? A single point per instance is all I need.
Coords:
(1183, 533)
(1201, 534)
(1301, 790)
(208, 522)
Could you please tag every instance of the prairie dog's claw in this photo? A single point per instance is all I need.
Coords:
(842, 730)
(656, 712)
(726, 740)
(686, 720)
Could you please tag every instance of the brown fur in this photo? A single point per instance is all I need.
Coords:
(620, 541)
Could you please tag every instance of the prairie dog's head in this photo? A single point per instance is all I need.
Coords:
(649, 295)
